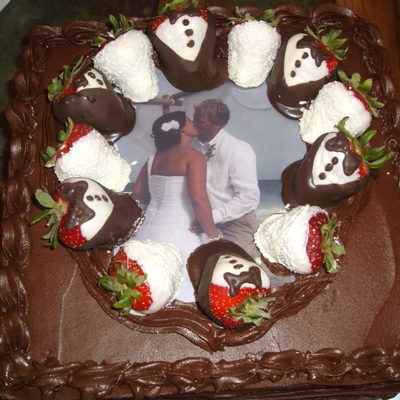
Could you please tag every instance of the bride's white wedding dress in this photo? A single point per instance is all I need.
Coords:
(167, 219)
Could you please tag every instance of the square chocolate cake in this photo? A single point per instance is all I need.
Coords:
(322, 333)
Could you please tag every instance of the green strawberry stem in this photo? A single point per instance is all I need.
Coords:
(374, 157)
(362, 88)
(252, 310)
(330, 41)
(50, 155)
(267, 16)
(177, 4)
(54, 210)
(330, 246)
(118, 27)
(65, 78)
(123, 286)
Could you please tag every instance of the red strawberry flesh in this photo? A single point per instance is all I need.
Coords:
(221, 302)
(333, 61)
(69, 90)
(314, 241)
(78, 131)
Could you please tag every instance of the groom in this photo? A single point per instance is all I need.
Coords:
(232, 184)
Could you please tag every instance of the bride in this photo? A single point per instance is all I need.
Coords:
(173, 184)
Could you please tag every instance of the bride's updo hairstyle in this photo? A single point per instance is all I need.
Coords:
(167, 130)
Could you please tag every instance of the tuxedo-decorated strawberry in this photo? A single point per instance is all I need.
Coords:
(126, 59)
(335, 101)
(144, 276)
(83, 215)
(231, 288)
(86, 153)
(185, 42)
(301, 239)
(84, 94)
(252, 47)
(335, 167)
(305, 62)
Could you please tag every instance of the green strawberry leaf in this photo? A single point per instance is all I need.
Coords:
(330, 245)
(123, 304)
(366, 136)
(111, 283)
(362, 88)
(119, 26)
(330, 40)
(44, 199)
(176, 4)
(251, 310)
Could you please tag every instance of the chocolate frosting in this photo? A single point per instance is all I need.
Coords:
(205, 72)
(344, 343)
(298, 187)
(103, 109)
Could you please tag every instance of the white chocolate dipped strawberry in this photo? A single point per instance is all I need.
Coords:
(83, 215)
(127, 61)
(335, 101)
(305, 62)
(252, 48)
(301, 239)
(145, 276)
(86, 153)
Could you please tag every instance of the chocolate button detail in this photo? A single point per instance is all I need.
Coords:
(189, 32)
(305, 55)
(322, 176)
(238, 266)
(297, 63)
(190, 43)
(105, 198)
(185, 22)
(335, 160)
(89, 198)
(328, 167)
(100, 82)
(97, 197)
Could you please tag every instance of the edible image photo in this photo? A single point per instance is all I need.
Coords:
(208, 164)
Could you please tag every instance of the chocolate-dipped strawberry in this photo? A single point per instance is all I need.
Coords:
(144, 276)
(185, 42)
(231, 288)
(85, 152)
(301, 239)
(126, 58)
(252, 47)
(305, 62)
(336, 166)
(85, 95)
(351, 97)
(84, 214)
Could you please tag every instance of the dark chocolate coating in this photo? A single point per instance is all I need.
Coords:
(289, 100)
(298, 187)
(205, 72)
(103, 109)
(123, 221)
(209, 255)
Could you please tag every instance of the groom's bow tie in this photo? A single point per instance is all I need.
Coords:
(211, 148)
